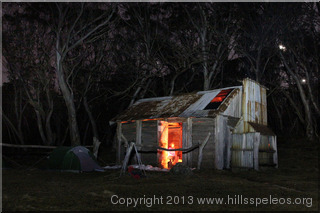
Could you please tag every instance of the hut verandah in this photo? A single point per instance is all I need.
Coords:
(232, 121)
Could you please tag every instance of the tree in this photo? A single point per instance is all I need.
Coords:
(255, 41)
(144, 26)
(300, 61)
(298, 52)
(213, 25)
(29, 69)
(73, 28)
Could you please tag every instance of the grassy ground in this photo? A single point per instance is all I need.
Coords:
(297, 177)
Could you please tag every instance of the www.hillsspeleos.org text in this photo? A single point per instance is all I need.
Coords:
(191, 200)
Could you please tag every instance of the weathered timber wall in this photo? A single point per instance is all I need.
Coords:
(200, 129)
(149, 138)
(129, 131)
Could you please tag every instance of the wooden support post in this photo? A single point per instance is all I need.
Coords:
(219, 143)
(184, 143)
(201, 148)
(189, 140)
(119, 133)
(138, 132)
(275, 154)
(256, 144)
(138, 135)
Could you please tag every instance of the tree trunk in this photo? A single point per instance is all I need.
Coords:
(50, 136)
(68, 98)
(278, 113)
(136, 93)
(19, 112)
(40, 127)
(310, 133)
(96, 143)
(172, 83)
(92, 120)
(206, 80)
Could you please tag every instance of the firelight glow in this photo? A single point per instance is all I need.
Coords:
(167, 159)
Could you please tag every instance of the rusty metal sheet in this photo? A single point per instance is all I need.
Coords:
(254, 104)
(189, 105)
(159, 108)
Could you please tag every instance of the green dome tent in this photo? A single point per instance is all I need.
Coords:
(76, 158)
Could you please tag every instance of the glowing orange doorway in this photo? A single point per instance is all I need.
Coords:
(170, 137)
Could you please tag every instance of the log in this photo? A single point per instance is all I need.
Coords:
(32, 146)
(155, 148)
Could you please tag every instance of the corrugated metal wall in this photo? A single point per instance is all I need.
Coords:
(266, 151)
(254, 103)
(242, 150)
(234, 108)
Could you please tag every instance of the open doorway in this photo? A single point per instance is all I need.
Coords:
(170, 137)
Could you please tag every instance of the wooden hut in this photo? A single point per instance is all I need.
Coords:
(233, 120)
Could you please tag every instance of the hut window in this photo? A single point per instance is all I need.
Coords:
(215, 103)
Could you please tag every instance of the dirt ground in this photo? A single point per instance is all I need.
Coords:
(293, 186)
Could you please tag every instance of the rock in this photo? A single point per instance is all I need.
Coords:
(180, 169)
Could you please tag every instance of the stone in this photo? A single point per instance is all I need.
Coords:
(180, 169)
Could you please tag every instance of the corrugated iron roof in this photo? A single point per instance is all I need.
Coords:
(189, 105)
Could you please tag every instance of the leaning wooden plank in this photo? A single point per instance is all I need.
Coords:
(201, 148)
(126, 159)
(139, 161)
(125, 140)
